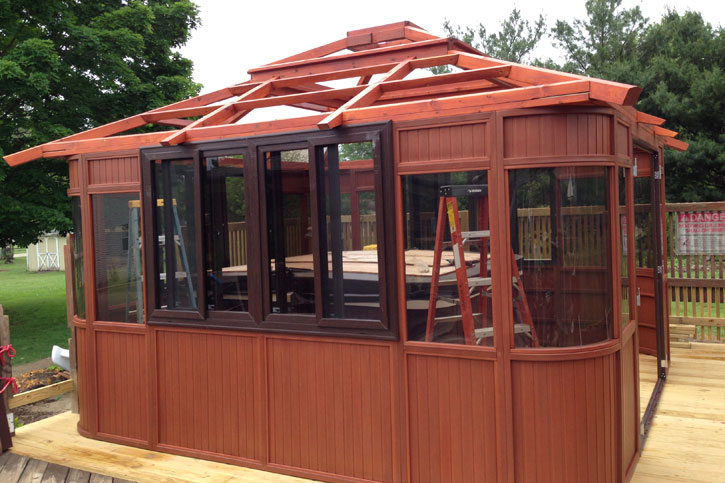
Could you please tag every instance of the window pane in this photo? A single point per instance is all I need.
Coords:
(421, 198)
(116, 236)
(289, 232)
(177, 234)
(643, 246)
(624, 259)
(78, 277)
(350, 279)
(560, 238)
(226, 233)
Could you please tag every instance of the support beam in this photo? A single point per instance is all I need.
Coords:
(660, 131)
(222, 113)
(676, 144)
(367, 96)
(645, 118)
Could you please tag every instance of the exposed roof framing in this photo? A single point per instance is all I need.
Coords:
(377, 62)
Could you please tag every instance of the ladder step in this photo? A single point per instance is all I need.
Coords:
(468, 235)
(452, 318)
(479, 281)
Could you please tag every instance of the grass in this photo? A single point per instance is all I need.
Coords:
(20, 251)
(35, 303)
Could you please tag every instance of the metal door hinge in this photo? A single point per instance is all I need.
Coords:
(634, 169)
(660, 269)
(658, 174)
(639, 299)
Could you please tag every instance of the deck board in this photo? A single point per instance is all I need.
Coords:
(685, 443)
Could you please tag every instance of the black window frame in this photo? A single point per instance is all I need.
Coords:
(259, 317)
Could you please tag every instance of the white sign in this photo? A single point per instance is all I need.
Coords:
(701, 233)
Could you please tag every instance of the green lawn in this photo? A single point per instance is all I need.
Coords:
(35, 303)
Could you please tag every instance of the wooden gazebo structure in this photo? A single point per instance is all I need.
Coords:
(427, 278)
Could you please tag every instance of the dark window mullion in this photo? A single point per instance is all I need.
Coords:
(335, 228)
(169, 241)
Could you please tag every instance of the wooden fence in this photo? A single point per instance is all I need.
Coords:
(696, 282)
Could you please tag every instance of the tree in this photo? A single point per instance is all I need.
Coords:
(682, 74)
(514, 42)
(68, 66)
(605, 44)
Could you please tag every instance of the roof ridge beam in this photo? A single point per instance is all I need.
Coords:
(415, 34)
(315, 53)
(220, 114)
(367, 96)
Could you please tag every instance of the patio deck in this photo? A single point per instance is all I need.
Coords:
(685, 444)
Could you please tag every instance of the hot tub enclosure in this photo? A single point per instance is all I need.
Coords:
(429, 278)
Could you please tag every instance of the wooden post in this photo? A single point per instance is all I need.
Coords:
(70, 309)
(7, 369)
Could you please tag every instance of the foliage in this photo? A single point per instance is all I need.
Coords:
(68, 66)
(513, 42)
(35, 304)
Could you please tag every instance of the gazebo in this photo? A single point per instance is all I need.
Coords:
(412, 277)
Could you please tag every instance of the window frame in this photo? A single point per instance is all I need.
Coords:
(259, 317)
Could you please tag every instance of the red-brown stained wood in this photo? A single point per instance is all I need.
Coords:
(331, 407)
(566, 134)
(209, 392)
(630, 403)
(452, 419)
(621, 140)
(85, 398)
(74, 174)
(445, 143)
(116, 170)
(122, 385)
(569, 439)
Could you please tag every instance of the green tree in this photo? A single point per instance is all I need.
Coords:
(67, 66)
(605, 43)
(514, 42)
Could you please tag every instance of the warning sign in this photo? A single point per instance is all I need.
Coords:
(701, 233)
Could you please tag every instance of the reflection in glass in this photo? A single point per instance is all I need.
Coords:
(421, 197)
(560, 235)
(289, 232)
(177, 234)
(624, 258)
(78, 277)
(117, 248)
(643, 243)
(225, 228)
(350, 278)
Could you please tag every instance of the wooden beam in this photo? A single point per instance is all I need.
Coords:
(437, 91)
(660, 131)
(320, 51)
(446, 79)
(24, 156)
(116, 143)
(645, 118)
(676, 144)
(153, 117)
(174, 122)
(367, 96)
(290, 99)
(417, 34)
(41, 393)
(222, 113)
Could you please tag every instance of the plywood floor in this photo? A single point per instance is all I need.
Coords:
(686, 441)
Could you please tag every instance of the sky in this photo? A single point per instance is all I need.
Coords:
(237, 35)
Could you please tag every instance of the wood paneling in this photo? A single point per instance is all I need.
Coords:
(646, 311)
(565, 420)
(622, 145)
(330, 407)
(209, 392)
(547, 135)
(122, 385)
(74, 174)
(452, 419)
(630, 403)
(445, 143)
(117, 170)
(85, 397)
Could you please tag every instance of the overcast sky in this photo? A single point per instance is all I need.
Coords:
(238, 35)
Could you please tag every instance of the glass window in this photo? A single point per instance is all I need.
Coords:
(560, 241)
(289, 232)
(643, 243)
(225, 228)
(177, 235)
(350, 278)
(624, 258)
(428, 232)
(117, 246)
(78, 277)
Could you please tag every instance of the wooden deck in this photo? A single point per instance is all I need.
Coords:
(686, 441)
(15, 468)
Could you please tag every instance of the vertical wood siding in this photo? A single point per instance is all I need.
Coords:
(209, 392)
(630, 403)
(565, 420)
(118, 170)
(85, 398)
(74, 174)
(452, 420)
(122, 385)
(330, 407)
(622, 146)
(443, 143)
(557, 135)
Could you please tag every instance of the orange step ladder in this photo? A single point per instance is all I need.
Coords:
(466, 285)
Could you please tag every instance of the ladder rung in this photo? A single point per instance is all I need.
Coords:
(468, 235)
(452, 318)
(479, 281)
